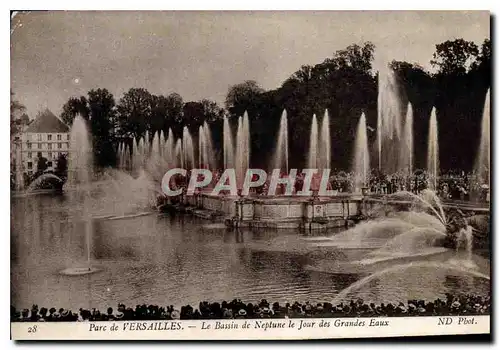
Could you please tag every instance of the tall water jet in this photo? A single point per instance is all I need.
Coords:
(325, 143)
(482, 166)
(228, 145)
(209, 145)
(136, 156)
(406, 152)
(242, 154)
(312, 162)
(79, 179)
(280, 159)
(361, 168)
(188, 149)
(179, 154)
(205, 150)
(433, 151)
(169, 153)
(388, 121)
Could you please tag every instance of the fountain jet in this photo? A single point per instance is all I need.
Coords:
(280, 159)
(433, 151)
(361, 167)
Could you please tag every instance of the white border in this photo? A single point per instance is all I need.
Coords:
(214, 5)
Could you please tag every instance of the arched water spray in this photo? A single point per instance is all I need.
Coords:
(280, 159)
(361, 167)
(448, 266)
(312, 162)
(433, 151)
(325, 143)
(482, 166)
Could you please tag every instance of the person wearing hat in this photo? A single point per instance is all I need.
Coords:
(119, 316)
(175, 315)
(242, 313)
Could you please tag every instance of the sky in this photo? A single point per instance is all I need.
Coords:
(57, 55)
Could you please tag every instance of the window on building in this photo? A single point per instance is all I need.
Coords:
(59, 137)
(59, 145)
(49, 137)
(39, 137)
(49, 145)
(30, 165)
(49, 164)
(29, 145)
(50, 155)
(67, 137)
(67, 145)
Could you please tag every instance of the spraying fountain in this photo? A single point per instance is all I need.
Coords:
(312, 162)
(406, 155)
(228, 145)
(361, 168)
(390, 138)
(482, 166)
(242, 154)
(79, 180)
(433, 151)
(280, 159)
(325, 143)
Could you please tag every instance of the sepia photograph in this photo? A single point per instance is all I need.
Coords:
(249, 175)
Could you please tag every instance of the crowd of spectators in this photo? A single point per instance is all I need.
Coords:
(464, 304)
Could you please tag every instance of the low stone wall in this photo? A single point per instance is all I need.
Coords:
(293, 212)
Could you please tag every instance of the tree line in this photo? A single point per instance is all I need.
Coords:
(345, 84)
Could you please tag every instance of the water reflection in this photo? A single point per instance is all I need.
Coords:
(178, 260)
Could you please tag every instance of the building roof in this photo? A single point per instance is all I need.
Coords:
(47, 122)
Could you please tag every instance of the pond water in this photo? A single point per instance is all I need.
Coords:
(163, 259)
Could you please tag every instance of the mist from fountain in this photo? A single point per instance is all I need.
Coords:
(280, 158)
(482, 166)
(242, 154)
(361, 168)
(433, 151)
(312, 162)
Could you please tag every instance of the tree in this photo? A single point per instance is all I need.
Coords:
(175, 106)
(75, 106)
(455, 57)
(15, 120)
(101, 105)
(241, 97)
(211, 111)
(134, 110)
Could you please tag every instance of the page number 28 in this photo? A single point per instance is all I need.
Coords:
(32, 329)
